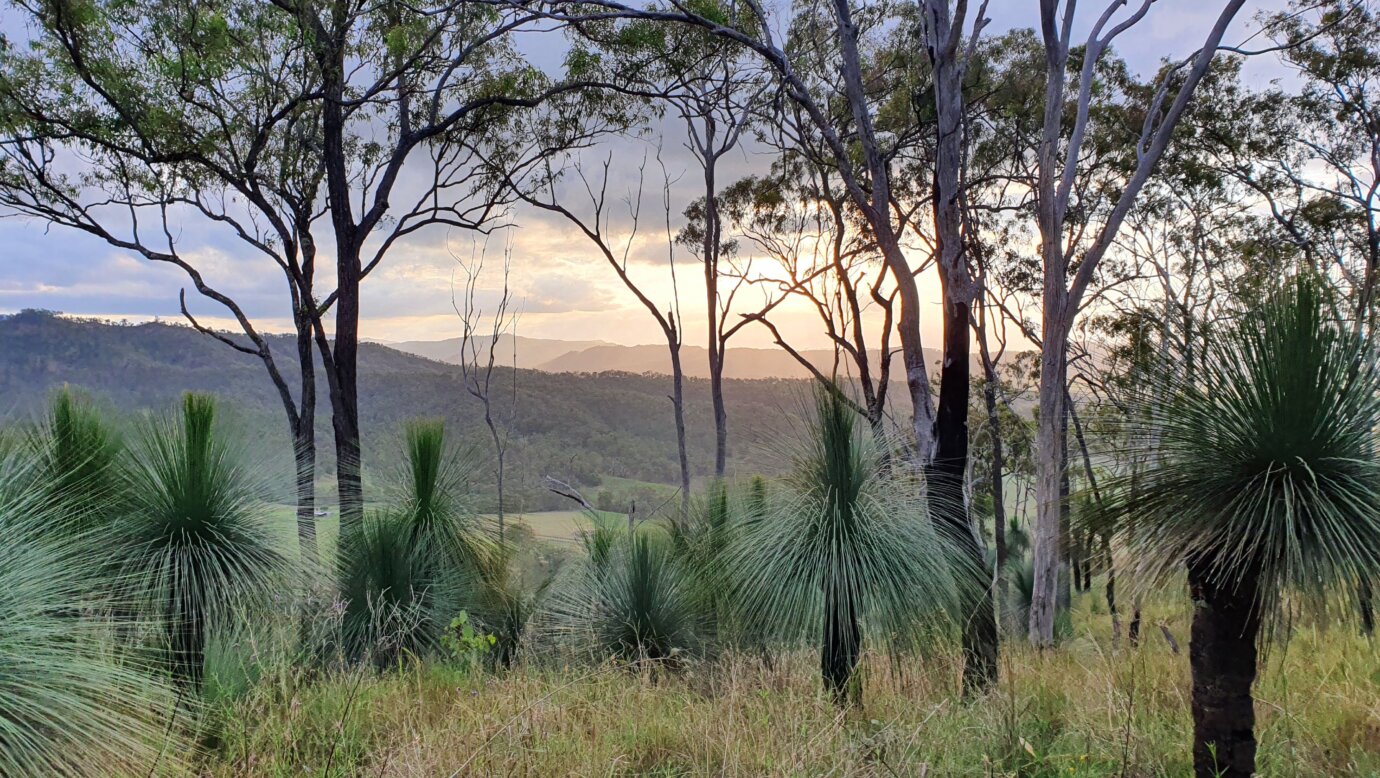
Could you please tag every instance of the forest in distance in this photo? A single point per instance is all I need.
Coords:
(1013, 408)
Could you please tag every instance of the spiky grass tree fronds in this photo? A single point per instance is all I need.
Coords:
(78, 456)
(846, 550)
(394, 599)
(631, 598)
(1266, 483)
(645, 605)
(506, 602)
(701, 545)
(433, 502)
(412, 566)
(194, 538)
(69, 703)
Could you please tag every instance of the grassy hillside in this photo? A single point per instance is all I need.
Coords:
(581, 428)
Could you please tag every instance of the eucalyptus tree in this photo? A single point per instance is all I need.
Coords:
(479, 357)
(546, 186)
(1265, 485)
(143, 124)
(368, 119)
(798, 218)
(1059, 156)
(715, 90)
(1332, 158)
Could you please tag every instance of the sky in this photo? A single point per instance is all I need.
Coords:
(561, 285)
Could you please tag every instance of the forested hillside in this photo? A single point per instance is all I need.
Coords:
(578, 427)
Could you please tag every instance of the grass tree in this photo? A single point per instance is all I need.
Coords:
(632, 598)
(411, 568)
(193, 537)
(69, 703)
(78, 462)
(1267, 487)
(845, 550)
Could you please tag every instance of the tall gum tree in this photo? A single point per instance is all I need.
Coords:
(1058, 157)
(153, 128)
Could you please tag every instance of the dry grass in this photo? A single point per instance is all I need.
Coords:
(1082, 710)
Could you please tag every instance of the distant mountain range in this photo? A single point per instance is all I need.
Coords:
(599, 431)
(596, 356)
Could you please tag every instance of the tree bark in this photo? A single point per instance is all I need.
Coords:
(1068, 549)
(341, 356)
(304, 453)
(1049, 446)
(1111, 592)
(1365, 602)
(712, 237)
(998, 463)
(678, 404)
(345, 417)
(876, 206)
(948, 505)
(1222, 655)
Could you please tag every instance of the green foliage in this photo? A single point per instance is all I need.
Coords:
(1266, 467)
(70, 703)
(193, 538)
(465, 645)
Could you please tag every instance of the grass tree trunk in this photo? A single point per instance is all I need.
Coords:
(186, 640)
(1222, 654)
(1365, 599)
(842, 647)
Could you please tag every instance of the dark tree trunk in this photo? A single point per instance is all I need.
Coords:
(945, 475)
(998, 464)
(1222, 655)
(1365, 601)
(678, 405)
(842, 647)
(1088, 563)
(304, 421)
(341, 356)
(1111, 591)
(345, 398)
(304, 453)
(712, 237)
(1064, 598)
(187, 640)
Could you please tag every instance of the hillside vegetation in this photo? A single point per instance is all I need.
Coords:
(581, 428)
